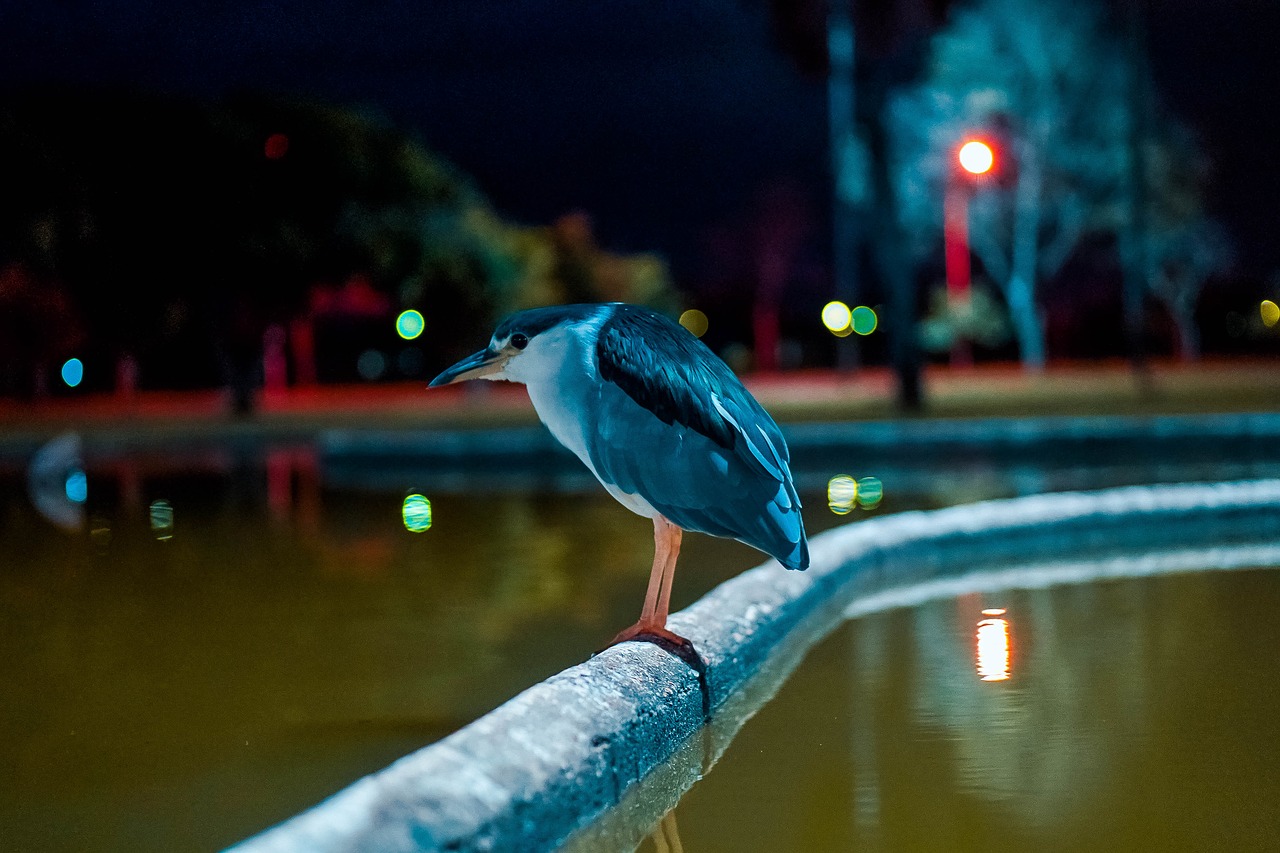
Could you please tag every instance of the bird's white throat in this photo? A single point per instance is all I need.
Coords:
(559, 368)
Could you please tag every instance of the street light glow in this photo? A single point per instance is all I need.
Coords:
(976, 157)
(837, 317)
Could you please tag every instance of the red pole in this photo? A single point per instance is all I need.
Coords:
(955, 230)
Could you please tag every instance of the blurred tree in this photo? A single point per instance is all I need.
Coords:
(1042, 79)
(181, 231)
(1182, 247)
(1050, 84)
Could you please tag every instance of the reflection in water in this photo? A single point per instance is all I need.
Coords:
(293, 638)
(48, 482)
(842, 494)
(666, 836)
(993, 646)
(161, 512)
(246, 669)
(870, 492)
(416, 513)
(1135, 723)
(77, 486)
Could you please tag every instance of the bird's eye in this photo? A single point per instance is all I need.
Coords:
(519, 340)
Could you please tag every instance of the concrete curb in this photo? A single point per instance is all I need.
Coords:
(545, 764)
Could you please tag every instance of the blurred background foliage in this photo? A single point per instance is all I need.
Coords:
(186, 229)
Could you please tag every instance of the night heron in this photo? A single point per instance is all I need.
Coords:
(664, 425)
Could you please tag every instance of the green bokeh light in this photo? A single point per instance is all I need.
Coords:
(870, 492)
(416, 513)
(410, 324)
(864, 320)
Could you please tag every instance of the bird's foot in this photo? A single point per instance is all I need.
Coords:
(663, 638)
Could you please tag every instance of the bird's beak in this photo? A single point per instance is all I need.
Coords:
(473, 366)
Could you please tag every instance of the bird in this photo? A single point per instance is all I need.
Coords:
(664, 425)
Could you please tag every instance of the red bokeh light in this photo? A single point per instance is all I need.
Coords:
(276, 147)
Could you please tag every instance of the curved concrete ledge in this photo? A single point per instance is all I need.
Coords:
(505, 446)
(545, 764)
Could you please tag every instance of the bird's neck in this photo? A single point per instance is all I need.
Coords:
(562, 376)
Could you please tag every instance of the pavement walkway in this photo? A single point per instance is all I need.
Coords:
(1077, 389)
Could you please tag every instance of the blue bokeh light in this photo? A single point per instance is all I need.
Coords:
(409, 324)
(77, 486)
(72, 372)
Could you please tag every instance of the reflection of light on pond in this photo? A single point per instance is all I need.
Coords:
(870, 492)
(77, 486)
(842, 494)
(993, 646)
(162, 519)
(416, 513)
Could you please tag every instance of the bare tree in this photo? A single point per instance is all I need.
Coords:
(1181, 245)
(1045, 81)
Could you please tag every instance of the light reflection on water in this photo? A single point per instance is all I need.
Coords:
(235, 634)
(1141, 718)
(993, 645)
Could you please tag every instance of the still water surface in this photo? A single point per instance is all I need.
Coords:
(198, 644)
(1135, 715)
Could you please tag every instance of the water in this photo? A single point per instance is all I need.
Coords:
(1136, 715)
(200, 642)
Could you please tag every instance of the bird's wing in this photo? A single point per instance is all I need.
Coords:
(675, 376)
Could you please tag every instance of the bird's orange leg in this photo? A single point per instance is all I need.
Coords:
(657, 601)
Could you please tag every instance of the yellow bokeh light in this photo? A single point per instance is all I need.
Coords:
(837, 317)
(976, 157)
(842, 494)
(1270, 313)
(695, 321)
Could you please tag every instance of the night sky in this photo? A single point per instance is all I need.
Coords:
(661, 118)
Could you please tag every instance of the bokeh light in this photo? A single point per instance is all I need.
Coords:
(410, 361)
(161, 513)
(838, 319)
(409, 324)
(695, 321)
(371, 365)
(77, 486)
(842, 494)
(416, 513)
(976, 157)
(1270, 313)
(864, 320)
(72, 372)
(276, 146)
(870, 492)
